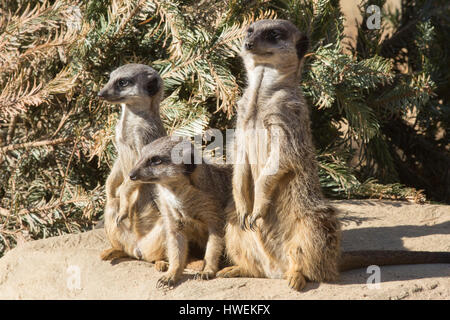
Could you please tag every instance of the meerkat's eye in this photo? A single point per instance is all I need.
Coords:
(123, 83)
(274, 35)
(154, 161)
(249, 31)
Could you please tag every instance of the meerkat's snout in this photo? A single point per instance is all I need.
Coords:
(133, 176)
(248, 45)
(100, 95)
(143, 171)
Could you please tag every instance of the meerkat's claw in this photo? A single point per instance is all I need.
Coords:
(204, 275)
(165, 282)
(252, 222)
(243, 222)
(119, 219)
(180, 224)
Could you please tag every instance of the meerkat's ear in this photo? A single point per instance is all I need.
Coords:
(153, 86)
(190, 167)
(302, 46)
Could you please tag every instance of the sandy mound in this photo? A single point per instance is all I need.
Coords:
(69, 267)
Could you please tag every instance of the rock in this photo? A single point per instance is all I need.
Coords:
(69, 267)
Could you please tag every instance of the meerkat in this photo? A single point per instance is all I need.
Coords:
(191, 198)
(139, 89)
(281, 226)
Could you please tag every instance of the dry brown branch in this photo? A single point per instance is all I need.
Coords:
(34, 144)
(11, 129)
(67, 171)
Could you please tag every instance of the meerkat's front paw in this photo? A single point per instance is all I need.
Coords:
(120, 217)
(242, 214)
(161, 266)
(167, 281)
(180, 223)
(243, 221)
(259, 211)
(296, 281)
(252, 220)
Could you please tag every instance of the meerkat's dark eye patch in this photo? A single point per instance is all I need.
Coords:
(152, 86)
(122, 83)
(274, 35)
(154, 161)
(250, 31)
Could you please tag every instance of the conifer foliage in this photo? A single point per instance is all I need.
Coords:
(380, 107)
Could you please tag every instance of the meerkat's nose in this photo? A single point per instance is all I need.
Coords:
(100, 95)
(133, 176)
(248, 45)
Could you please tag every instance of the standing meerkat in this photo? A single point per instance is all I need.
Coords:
(191, 197)
(139, 89)
(294, 234)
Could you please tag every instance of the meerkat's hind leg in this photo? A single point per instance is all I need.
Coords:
(196, 265)
(313, 251)
(296, 280)
(294, 275)
(232, 272)
(213, 252)
(112, 253)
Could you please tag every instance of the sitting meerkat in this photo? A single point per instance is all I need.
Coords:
(281, 226)
(139, 89)
(191, 197)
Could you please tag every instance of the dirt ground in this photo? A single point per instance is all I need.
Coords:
(69, 267)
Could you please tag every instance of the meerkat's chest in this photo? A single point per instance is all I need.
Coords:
(128, 157)
(171, 205)
(254, 143)
(129, 143)
(170, 199)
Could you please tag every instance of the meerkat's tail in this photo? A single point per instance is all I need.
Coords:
(361, 259)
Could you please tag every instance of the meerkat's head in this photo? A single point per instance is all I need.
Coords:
(277, 43)
(134, 85)
(164, 161)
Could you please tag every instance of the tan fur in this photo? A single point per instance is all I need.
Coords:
(296, 234)
(139, 124)
(191, 198)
